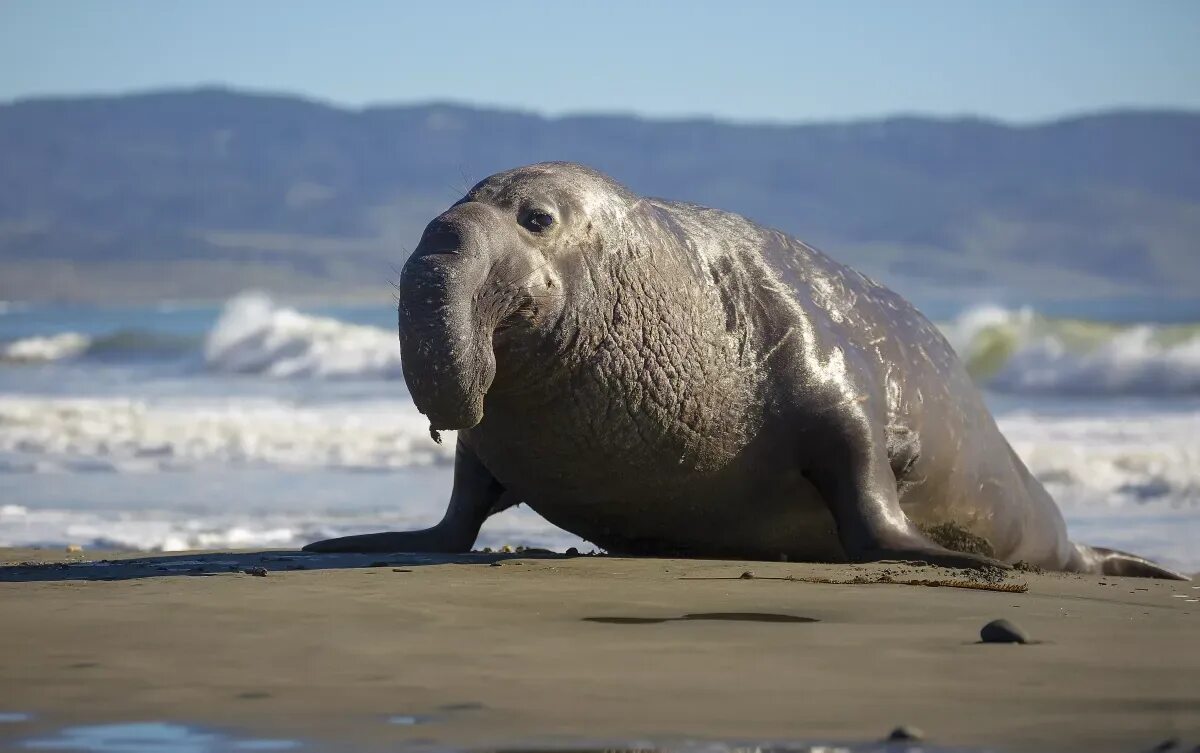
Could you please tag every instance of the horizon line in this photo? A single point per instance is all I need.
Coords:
(1116, 109)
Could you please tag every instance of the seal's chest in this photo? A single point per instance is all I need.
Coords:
(582, 441)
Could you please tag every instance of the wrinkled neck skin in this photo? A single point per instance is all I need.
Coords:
(643, 348)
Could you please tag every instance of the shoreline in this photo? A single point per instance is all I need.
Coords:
(482, 650)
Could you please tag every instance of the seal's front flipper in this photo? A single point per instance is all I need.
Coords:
(427, 541)
(476, 495)
(1095, 559)
(430, 540)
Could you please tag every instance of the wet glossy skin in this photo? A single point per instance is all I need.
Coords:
(662, 378)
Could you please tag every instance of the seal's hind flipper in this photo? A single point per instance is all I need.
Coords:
(1115, 562)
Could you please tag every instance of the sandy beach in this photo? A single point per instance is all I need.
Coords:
(338, 652)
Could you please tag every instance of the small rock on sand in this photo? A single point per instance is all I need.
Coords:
(905, 732)
(259, 571)
(1002, 631)
(748, 575)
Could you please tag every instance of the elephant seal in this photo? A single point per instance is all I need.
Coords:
(661, 378)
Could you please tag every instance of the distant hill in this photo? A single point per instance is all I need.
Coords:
(202, 193)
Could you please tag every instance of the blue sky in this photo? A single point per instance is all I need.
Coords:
(1018, 60)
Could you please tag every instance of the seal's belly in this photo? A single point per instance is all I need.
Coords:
(783, 521)
(735, 511)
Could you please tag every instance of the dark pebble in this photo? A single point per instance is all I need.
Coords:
(259, 571)
(572, 551)
(748, 575)
(905, 732)
(1002, 631)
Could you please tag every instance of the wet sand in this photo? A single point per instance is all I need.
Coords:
(375, 652)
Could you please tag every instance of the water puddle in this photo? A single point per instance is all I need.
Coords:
(444, 713)
(411, 720)
(151, 737)
(168, 737)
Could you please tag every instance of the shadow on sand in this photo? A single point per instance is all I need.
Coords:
(704, 616)
(244, 563)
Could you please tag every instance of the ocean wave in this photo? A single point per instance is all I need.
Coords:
(136, 344)
(253, 335)
(124, 344)
(1020, 351)
(1112, 460)
(256, 336)
(1123, 479)
(42, 434)
(46, 348)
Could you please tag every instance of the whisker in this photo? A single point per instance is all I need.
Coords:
(453, 190)
(467, 182)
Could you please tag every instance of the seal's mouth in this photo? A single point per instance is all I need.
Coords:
(452, 415)
(456, 422)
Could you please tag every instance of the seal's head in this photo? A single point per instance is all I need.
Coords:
(487, 281)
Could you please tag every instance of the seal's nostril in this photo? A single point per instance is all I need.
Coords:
(439, 240)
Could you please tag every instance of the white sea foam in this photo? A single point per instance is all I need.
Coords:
(1123, 479)
(48, 348)
(256, 336)
(127, 435)
(177, 530)
(1112, 460)
(161, 530)
(1018, 351)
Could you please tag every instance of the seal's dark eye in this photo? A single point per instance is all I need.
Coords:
(539, 221)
